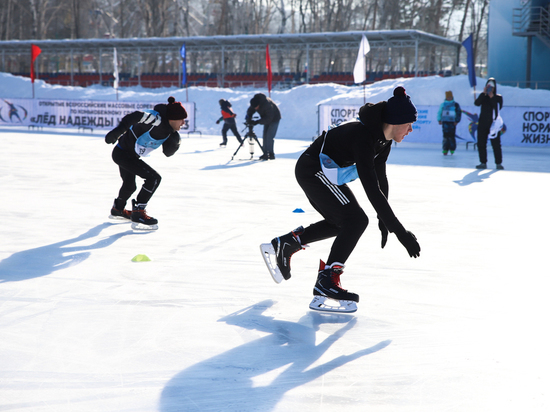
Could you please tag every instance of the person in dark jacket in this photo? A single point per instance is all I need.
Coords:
(138, 134)
(352, 149)
(269, 117)
(449, 115)
(228, 117)
(491, 103)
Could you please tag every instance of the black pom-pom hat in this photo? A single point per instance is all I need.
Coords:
(399, 108)
(174, 110)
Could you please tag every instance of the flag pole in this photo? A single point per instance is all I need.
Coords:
(115, 72)
(183, 54)
(35, 51)
(268, 68)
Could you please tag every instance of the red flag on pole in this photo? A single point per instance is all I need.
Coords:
(35, 51)
(268, 67)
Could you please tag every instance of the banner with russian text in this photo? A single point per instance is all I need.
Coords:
(523, 126)
(77, 113)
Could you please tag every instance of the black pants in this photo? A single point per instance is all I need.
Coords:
(482, 136)
(131, 166)
(343, 217)
(268, 137)
(233, 128)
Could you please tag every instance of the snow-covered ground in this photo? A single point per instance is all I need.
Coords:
(202, 326)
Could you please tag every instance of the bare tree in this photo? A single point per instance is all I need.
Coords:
(39, 19)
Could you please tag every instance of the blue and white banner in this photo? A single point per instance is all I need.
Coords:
(77, 113)
(523, 126)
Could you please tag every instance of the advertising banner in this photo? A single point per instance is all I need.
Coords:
(77, 113)
(523, 126)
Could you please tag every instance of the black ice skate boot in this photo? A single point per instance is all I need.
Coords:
(328, 283)
(285, 246)
(139, 215)
(118, 211)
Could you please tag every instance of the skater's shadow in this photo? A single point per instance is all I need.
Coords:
(256, 375)
(477, 176)
(43, 260)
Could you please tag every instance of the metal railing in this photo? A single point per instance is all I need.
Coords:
(532, 21)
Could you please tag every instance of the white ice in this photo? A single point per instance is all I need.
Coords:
(203, 327)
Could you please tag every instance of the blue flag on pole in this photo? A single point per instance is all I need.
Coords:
(183, 66)
(468, 45)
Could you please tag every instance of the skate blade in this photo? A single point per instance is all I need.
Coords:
(119, 219)
(141, 226)
(268, 253)
(325, 304)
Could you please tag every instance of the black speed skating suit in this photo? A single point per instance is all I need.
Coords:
(357, 142)
(130, 129)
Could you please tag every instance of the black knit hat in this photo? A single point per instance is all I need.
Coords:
(400, 109)
(174, 110)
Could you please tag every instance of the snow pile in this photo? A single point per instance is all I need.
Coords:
(298, 105)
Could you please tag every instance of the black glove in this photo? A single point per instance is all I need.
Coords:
(408, 240)
(114, 135)
(384, 232)
(217, 122)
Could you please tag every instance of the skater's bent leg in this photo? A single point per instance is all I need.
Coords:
(318, 231)
(127, 164)
(344, 218)
(130, 167)
(152, 182)
(128, 185)
(350, 233)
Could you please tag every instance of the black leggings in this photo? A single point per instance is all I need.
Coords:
(343, 217)
(131, 166)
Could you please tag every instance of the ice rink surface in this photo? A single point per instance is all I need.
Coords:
(203, 327)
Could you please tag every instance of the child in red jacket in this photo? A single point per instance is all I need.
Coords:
(228, 117)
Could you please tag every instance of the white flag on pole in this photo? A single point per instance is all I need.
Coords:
(360, 68)
(115, 69)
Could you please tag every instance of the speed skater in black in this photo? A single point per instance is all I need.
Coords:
(138, 134)
(354, 149)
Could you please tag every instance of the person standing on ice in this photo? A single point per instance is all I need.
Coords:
(228, 117)
(449, 115)
(490, 103)
(270, 116)
(353, 149)
(138, 134)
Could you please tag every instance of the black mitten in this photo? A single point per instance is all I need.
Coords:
(384, 232)
(114, 135)
(408, 240)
